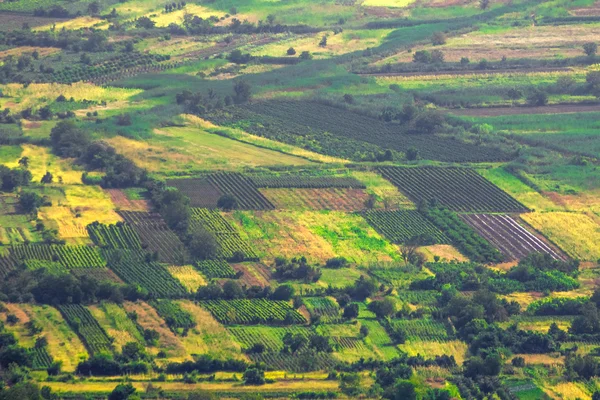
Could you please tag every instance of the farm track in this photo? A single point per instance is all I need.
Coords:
(505, 233)
(553, 109)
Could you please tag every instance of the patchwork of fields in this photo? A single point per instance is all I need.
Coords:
(387, 199)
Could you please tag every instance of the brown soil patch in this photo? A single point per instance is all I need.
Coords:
(16, 310)
(554, 109)
(253, 274)
(121, 201)
(31, 124)
(334, 199)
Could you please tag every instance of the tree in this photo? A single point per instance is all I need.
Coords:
(363, 288)
(30, 201)
(122, 392)
(254, 376)
(402, 390)
(438, 39)
(47, 178)
(293, 342)
(351, 311)
(350, 384)
(437, 56)
(590, 49)
(203, 244)
(68, 140)
(93, 8)
(232, 290)
(412, 153)
(283, 292)
(422, 56)
(537, 97)
(383, 308)
(291, 51)
(242, 92)
(24, 162)
(227, 202)
(484, 4)
(212, 291)
(144, 22)
(305, 55)
(323, 42)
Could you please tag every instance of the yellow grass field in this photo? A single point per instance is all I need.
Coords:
(117, 325)
(17, 97)
(76, 23)
(163, 19)
(577, 234)
(278, 386)
(455, 348)
(336, 44)
(388, 195)
(18, 51)
(568, 390)
(148, 318)
(209, 336)
(188, 276)
(63, 344)
(41, 160)
(444, 251)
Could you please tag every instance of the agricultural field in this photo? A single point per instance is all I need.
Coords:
(383, 199)
(459, 189)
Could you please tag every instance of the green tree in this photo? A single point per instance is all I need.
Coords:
(203, 244)
(291, 51)
(122, 392)
(242, 92)
(254, 376)
(590, 49)
(30, 201)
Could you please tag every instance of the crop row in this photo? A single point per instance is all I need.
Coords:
(306, 182)
(229, 240)
(68, 256)
(156, 236)
(200, 191)
(243, 189)
(117, 236)
(269, 336)
(304, 361)
(322, 307)
(464, 237)
(402, 226)
(216, 269)
(252, 312)
(152, 276)
(422, 329)
(41, 359)
(459, 189)
(342, 133)
(514, 241)
(175, 317)
(83, 72)
(86, 326)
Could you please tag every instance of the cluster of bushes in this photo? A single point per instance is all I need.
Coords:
(69, 141)
(199, 104)
(296, 269)
(133, 359)
(44, 287)
(531, 274)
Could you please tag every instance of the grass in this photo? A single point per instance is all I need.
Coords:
(16, 229)
(573, 132)
(147, 318)
(379, 340)
(262, 142)
(187, 150)
(209, 336)
(454, 348)
(115, 322)
(576, 234)
(63, 344)
(388, 195)
(41, 160)
(188, 276)
(17, 97)
(75, 24)
(528, 196)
